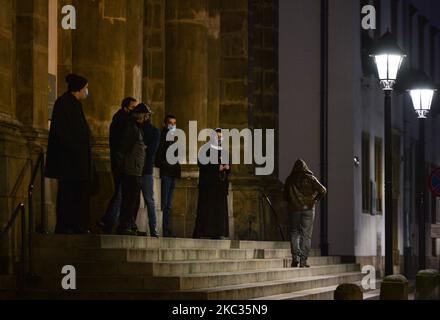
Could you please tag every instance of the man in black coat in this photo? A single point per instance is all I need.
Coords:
(117, 130)
(130, 162)
(69, 158)
(169, 173)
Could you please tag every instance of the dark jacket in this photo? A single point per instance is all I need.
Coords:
(130, 158)
(69, 154)
(152, 140)
(303, 190)
(166, 169)
(117, 130)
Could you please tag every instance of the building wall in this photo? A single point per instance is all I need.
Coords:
(356, 106)
(299, 80)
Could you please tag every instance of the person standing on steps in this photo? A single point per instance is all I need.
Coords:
(169, 173)
(302, 192)
(69, 158)
(212, 220)
(117, 130)
(151, 139)
(130, 163)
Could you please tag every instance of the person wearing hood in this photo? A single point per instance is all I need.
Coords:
(302, 192)
(212, 220)
(117, 129)
(69, 158)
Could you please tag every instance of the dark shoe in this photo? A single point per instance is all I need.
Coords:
(304, 264)
(104, 228)
(155, 235)
(295, 264)
(141, 234)
(83, 232)
(127, 232)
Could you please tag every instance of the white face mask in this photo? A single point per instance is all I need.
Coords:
(172, 128)
(86, 93)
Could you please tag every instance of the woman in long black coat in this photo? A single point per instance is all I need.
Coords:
(212, 213)
(69, 158)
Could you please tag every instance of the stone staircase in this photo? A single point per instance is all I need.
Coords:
(118, 267)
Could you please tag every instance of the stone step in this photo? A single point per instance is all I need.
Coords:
(160, 268)
(322, 293)
(129, 242)
(218, 280)
(237, 292)
(155, 255)
(191, 282)
(8, 282)
(250, 291)
(169, 268)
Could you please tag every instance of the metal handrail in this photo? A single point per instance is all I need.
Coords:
(38, 167)
(11, 222)
(20, 209)
(274, 212)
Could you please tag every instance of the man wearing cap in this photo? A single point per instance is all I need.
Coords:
(130, 162)
(117, 130)
(69, 158)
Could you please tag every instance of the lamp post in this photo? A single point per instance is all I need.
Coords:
(388, 58)
(422, 92)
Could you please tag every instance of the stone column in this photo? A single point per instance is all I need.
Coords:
(154, 58)
(186, 92)
(107, 49)
(64, 51)
(134, 48)
(7, 58)
(187, 25)
(32, 64)
(98, 53)
(7, 116)
(214, 60)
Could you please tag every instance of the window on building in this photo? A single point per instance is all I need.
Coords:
(366, 183)
(378, 167)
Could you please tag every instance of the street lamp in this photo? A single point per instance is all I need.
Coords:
(422, 93)
(388, 58)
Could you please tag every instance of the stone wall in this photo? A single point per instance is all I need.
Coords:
(154, 58)
(23, 111)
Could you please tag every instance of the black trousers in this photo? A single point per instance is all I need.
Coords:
(73, 207)
(131, 192)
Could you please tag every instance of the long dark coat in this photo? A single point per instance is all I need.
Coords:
(212, 212)
(118, 127)
(69, 150)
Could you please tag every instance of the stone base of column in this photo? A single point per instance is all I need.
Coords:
(250, 216)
